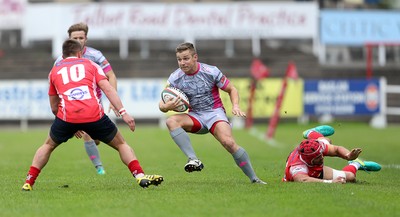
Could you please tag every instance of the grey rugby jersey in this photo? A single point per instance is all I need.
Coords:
(202, 87)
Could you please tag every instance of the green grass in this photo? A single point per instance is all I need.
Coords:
(219, 190)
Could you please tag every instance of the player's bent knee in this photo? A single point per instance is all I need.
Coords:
(86, 137)
(350, 177)
(229, 145)
(172, 122)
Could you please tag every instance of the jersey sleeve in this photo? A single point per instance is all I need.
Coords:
(52, 88)
(172, 78)
(98, 72)
(298, 169)
(325, 145)
(103, 62)
(221, 80)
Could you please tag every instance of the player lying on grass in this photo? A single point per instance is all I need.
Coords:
(306, 162)
(73, 100)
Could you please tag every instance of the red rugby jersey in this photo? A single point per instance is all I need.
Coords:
(75, 81)
(294, 165)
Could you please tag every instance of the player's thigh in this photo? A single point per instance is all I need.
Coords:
(117, 141)
(221, 131)
(180, 120)
(328, 172)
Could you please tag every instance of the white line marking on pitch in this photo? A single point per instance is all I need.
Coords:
(262, 137)
(392, 166)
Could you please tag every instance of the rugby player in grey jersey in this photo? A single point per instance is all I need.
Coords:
(201, 83)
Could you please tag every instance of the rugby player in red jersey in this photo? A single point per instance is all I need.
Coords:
(75, 103)
(79, 32)
(306, 162)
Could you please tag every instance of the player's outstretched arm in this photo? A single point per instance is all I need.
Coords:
(234, 97)
(113, 97)
(353, 154)
(342, 152)
(129, 121)
(112, 78)
(306, 178)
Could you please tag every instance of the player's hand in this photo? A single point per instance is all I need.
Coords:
(353, 154)
(129, 121)
(111, 107)
(340, 180)
(237, 112)
(172, 103)
(79, 134)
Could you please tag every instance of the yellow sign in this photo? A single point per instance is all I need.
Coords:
(266, 94)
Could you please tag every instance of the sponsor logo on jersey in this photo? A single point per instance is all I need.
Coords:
(78, 93)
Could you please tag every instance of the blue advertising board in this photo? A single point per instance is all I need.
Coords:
(341, 97)
(359, 27)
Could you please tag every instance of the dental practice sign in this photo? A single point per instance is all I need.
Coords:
(341, 97)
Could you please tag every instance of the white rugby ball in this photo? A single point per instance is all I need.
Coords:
(171, 92)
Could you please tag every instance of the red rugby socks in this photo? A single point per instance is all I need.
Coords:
(135, 168)
(350, 168)
(33, 173)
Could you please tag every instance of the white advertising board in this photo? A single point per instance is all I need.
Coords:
(175, 21)
(29, 99)
(162, 20)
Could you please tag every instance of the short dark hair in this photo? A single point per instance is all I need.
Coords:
(78, 27)
(186, 46)
(71, 47)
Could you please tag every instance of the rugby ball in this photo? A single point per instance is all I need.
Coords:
(171, 92)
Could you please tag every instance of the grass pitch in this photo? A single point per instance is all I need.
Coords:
(69, 185)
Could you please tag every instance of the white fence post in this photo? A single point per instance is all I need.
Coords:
(380, 120)
(396, 90)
